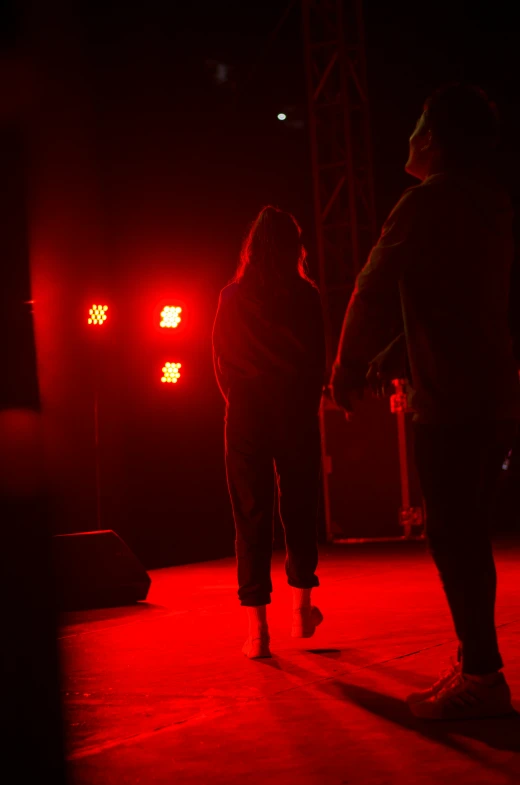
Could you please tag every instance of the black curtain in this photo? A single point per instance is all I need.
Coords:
(31, 713)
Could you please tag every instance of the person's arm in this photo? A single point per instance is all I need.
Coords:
(320, 340)
(374, 317)
(217, 351)
(514, 301)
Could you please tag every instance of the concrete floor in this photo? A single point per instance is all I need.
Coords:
(160, 693)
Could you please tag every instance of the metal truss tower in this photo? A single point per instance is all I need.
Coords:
(341, 150)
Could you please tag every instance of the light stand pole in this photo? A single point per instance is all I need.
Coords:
(97, 318)
(409, 517)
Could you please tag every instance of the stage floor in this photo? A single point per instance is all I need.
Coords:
(161, 694)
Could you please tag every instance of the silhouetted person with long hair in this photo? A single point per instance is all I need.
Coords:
(269, 355)
(442, 268)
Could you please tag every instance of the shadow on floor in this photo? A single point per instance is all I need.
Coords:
(332, 654)
(501, 733)
(71, 618)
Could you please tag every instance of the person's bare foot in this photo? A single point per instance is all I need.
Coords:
(305, 621)
(258, 647)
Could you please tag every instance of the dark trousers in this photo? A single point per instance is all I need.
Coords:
(273, 457)
(458, 467)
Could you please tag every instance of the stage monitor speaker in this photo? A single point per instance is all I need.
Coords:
(97, 570)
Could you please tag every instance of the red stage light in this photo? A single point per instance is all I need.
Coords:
(171, 316)
(171, 373)
(98, 314)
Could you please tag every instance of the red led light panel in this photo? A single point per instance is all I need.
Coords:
(98, 314)
(171, 373)
(171, 316)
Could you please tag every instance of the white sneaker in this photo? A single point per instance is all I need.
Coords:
(465, 698)
(444, 679)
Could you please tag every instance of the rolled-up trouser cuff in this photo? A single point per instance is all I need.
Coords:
(310, 584)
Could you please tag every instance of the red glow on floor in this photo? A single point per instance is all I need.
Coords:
(98, 314)
(171, 316)
(171, 373)
(160, 692)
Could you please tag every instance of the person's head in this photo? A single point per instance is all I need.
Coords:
(458, 129)
(272, 254)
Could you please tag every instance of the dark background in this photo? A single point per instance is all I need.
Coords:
(150, 141)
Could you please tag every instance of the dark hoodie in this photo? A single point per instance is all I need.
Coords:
(270, 347)
(443, 261)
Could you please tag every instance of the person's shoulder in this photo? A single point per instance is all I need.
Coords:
(306, 284)
(308, 289)
(416, 194)
(229, 292)
(449, 186)
(415, 201)
(482, 190)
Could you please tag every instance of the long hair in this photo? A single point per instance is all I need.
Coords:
(273, 255)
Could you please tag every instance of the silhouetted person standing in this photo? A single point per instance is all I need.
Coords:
(269, 355)
(442, 264)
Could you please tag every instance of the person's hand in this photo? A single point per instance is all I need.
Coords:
(379, 381)
(342, 401)
(328, 395)
(345, 387)
(389, 364)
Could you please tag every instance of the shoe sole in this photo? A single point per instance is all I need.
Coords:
(503, 714)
